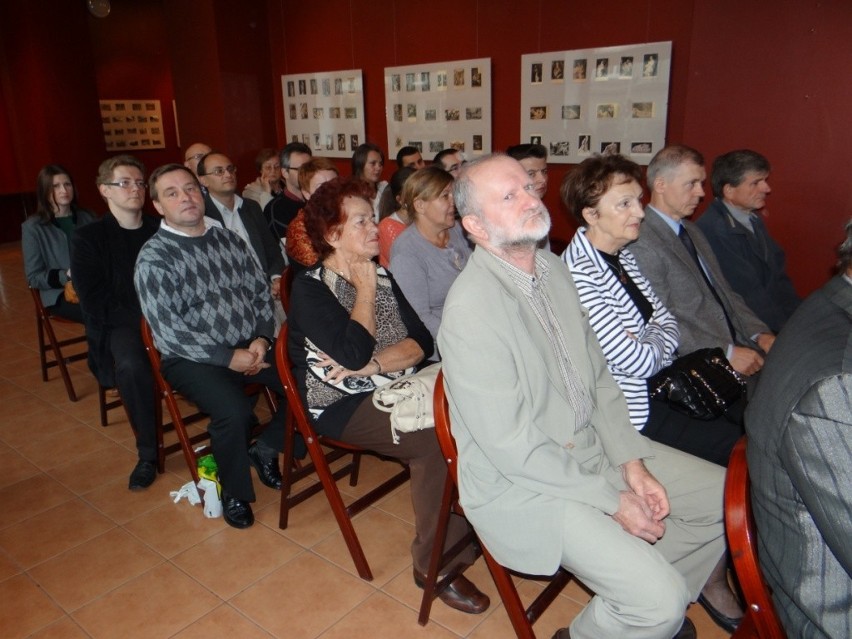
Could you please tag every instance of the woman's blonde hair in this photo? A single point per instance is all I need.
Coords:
(425, 184)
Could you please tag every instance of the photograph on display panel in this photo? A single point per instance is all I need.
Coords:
(441, 105)
(325, 111)
(132, 125)
(614, 100)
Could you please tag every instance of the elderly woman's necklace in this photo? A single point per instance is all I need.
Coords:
(335, 270)
(615, 264)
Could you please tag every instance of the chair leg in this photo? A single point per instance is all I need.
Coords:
(59, 361)
(430, 589)
(42, 348)
(509, 596)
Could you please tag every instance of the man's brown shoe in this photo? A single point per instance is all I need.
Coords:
(460, 594)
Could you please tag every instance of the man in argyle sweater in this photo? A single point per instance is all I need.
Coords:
(209, 307)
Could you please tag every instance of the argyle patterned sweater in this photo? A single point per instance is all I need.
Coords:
(202, 296)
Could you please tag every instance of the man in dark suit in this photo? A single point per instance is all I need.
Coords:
(243, 217)
(799, 426)
(751, 260)
(103, 255)
(676, 258)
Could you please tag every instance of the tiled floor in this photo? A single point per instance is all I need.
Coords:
(81, 556)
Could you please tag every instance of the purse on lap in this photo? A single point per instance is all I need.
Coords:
(701, 384)
(409, 401)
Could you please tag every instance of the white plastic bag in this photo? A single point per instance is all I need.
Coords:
(212, 502)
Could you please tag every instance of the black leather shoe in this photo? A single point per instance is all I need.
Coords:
(562, 633)
(728, 624)
(687, 630)
(267, 469)
(460, 594)
(143, 475)
(237, 512)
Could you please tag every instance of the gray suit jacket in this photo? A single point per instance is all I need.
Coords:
(800, 460)
(678, 283)
(521, 457)
(260, 237)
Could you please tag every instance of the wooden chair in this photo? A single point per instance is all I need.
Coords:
(299, 422)
(186, 443)
(105, 405)
(49, 344)
(761, 620)
(522, 619)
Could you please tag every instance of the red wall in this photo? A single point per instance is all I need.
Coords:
(772, 76)
(765, 74)
(381, 33)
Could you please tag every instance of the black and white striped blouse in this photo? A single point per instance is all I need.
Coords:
(634, 349)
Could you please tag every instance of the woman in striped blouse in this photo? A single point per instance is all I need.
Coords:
(637, 333)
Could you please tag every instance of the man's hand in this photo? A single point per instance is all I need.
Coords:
(745, 360)
(249, 361)
(646, 487)
(765, 341)
(635, 517)
(275, 288)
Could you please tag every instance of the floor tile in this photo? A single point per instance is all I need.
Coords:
(30, 497)
(386, 542)
(93, 568)
(65, 628)
(159, 603)
(24, 608)
(381, 617)
(122, 505)
(172, 528)
(317, 595)
(15, 467)
(52, 532)
(231, 560)
(77, 441)
(86, 472)
(224, 621)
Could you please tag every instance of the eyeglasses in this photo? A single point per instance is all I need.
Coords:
(219, 171)
(127, 184)
(197, 156)
(290, 168)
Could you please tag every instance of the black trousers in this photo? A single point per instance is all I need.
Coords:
(218, 391)
(135, 382)
(712, 440)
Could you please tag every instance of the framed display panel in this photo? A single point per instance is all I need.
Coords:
(132, 125)
(606, 100)
(438, 106)
(325, 111)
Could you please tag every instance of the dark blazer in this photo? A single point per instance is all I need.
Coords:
(262, 241)
(102, 263)
(47, 253)
(753, 264)
(678, 283)
(799, 425)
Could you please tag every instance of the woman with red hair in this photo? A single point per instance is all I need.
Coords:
(351, 330)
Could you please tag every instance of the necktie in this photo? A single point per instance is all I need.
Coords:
(690, 248)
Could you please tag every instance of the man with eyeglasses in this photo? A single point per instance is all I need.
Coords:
(103, 255)
(193, 154)
(283, 208)
(243, 217)
(451, 160)
(210, 355)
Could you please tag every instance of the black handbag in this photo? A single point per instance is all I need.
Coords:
(701, 384)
